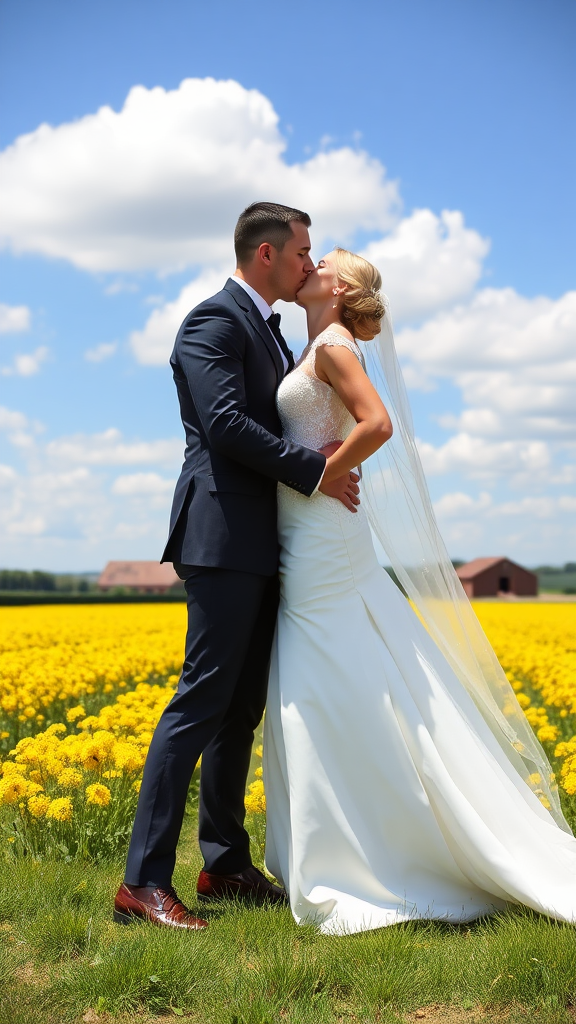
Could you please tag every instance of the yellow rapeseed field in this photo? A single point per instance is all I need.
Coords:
(56, 656)
(82, 687)
(536, 646)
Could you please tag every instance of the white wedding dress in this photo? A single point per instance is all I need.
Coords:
(388, 797)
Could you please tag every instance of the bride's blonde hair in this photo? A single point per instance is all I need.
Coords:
(363, 307)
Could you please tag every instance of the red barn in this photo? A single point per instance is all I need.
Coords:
(494, 577)
(142, 577)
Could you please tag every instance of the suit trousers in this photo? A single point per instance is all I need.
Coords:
(218, 704)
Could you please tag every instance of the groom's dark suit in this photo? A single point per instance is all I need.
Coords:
(223, 542)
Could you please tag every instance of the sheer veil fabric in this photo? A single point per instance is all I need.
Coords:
(398, 505)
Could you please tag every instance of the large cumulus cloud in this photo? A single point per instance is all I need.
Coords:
(159, 183)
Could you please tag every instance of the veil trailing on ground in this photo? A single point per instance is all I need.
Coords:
(399, 508)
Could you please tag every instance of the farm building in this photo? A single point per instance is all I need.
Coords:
(494, 577)
(143, 577)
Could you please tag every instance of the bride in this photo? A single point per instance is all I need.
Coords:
(402, 778)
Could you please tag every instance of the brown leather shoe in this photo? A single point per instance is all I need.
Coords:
(250, 886)
(159, 906)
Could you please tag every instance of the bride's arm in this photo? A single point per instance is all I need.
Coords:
(337, 366)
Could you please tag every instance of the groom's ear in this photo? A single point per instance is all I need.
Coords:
(265, 253)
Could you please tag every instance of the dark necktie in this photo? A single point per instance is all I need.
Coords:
(273, 322)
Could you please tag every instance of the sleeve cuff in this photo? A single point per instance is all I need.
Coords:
(319, 482)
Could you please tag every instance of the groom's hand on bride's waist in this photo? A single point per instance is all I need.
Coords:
(344, 488)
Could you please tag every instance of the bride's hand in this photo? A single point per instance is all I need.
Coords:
(345, 488)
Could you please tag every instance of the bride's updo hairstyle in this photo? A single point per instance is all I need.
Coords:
(363, 307)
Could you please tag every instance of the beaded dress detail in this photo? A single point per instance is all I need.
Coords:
(312, 414)
(310, 411)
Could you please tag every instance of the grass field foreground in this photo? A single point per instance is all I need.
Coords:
(63, 961)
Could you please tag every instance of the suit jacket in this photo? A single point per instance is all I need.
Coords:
(227, 368)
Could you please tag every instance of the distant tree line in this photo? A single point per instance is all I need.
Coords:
(556, 569)
(19, 579)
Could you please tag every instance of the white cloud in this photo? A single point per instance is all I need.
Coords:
(30, 526)
(37, 503)
(26, 364)
(12, 420)
(428, 262)
(142, 484)
(476, 458)
(512, 358)
(22, 432)
(118, 287)
(498, 329)
(7, 474)
(100, 352)
(14, 319)
(154, 343)
(65, 507)
(458, 504)
(110, 448)
(160, 183)
(532, 529)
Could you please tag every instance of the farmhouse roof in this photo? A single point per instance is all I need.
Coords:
(480, 565)
(137, 574)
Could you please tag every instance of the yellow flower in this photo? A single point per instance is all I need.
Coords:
(12, 788)
(38, 805)
(128, 757)
(60, 809)
(64, 654)
(255, 800)
(98, 794)
(56, 729)
(13, 768)
(548, 733)
(92, 759)
(75, 713)
(69, 778)
(569, 783)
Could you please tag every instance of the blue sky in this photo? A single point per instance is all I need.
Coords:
(117, 220)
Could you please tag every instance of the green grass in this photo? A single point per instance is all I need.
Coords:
(62, 960)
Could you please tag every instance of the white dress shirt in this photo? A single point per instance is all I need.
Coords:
(265, 310)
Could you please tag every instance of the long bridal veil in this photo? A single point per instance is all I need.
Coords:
(401, 515)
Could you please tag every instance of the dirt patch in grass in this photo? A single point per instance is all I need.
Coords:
(515, 1014)
(30, 974)
(434, 1014)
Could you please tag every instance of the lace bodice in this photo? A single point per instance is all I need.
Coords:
(310, 411)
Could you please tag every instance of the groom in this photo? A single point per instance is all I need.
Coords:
(228, 360)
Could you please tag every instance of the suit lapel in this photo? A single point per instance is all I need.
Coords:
(258, 324)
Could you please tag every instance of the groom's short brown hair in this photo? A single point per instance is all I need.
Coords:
(265, 222)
